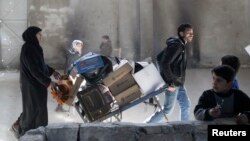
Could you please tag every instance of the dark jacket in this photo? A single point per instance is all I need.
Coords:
(106, 48)
(207, 101)
(71, 57)
(173, 62)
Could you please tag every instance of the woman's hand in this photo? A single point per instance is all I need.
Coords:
(53, 85)
(56, 75)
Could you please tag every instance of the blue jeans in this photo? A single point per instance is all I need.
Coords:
(180, 95)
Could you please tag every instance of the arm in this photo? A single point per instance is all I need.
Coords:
(205, 103)
(33, 60)
(243, 103)
(52, 71)
(169, 56)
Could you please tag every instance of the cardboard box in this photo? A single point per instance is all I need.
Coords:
(122, 84)
(128, 95)
(149, 79)
(118, 74)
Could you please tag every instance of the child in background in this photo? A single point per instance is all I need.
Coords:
(233, 62)
(73, 53)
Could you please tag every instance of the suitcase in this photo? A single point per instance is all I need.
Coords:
(88, 63)
(95, 101)
(93, 67)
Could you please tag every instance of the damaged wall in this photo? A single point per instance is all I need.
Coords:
(138, 28)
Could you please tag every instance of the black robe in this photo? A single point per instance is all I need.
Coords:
(34, 81)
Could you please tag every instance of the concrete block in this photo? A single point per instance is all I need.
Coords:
(107, 132)
(62, 132)
(34, 135)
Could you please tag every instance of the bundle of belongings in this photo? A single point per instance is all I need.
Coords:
(92, 68)
(61, 93)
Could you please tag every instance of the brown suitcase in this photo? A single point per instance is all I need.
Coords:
(95, 102)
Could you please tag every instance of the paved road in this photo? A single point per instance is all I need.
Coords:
(197, 81)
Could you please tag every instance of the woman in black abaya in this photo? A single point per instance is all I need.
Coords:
(34, 82)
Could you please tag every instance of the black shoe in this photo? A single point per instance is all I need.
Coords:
(15, 130)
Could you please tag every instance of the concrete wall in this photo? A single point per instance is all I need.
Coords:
(13, 20)
(175, 131)
(138, 28)
(220, 27)
(63, 21)
(122, 131)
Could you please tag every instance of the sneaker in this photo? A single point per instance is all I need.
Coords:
(15, 130)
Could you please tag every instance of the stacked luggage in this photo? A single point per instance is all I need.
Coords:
(107, 90)
(122, 85)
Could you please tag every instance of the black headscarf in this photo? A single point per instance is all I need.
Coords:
(29, 35)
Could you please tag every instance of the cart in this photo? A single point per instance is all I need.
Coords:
(110, 110)
(116, 111)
